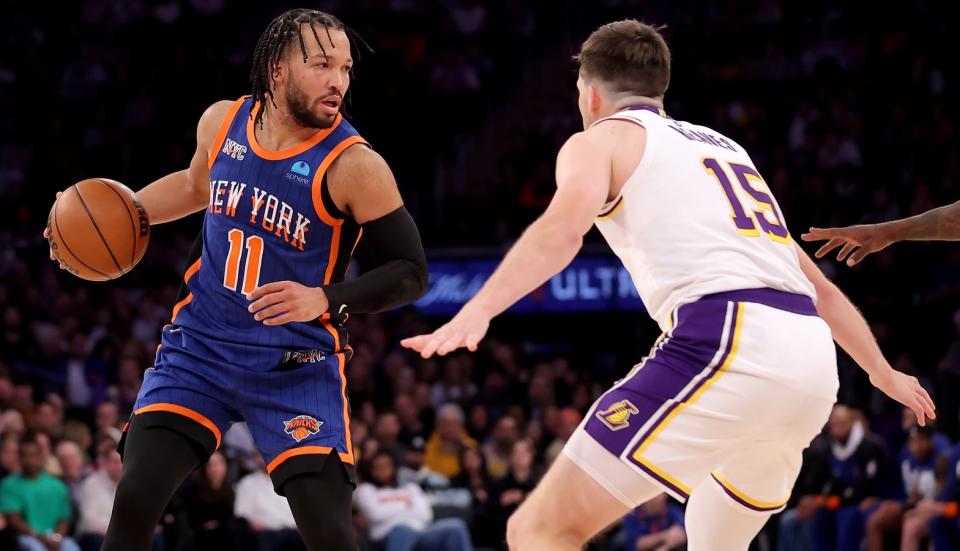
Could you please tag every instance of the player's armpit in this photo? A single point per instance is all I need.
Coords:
(362, 185)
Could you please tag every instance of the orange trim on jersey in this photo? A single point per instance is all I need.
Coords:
(186, 412)
(222, 133)
(271, 155)
(327, 218)
(186, 277)
(342, 361)
(306, 450)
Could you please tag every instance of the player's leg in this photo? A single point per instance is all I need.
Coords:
(568, 507)
(301, 428)
(156, 460)
(713, 522)
(176, 426)
(322, 506)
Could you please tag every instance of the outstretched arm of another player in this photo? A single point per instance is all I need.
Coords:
(852, 333)
(940, 224)
(545, 248)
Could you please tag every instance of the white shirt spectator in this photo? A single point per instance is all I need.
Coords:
(259, 504)
(95, 502)
(387, 508)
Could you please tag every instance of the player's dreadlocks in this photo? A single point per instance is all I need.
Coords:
(274, 41)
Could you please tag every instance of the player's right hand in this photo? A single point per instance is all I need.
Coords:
(46, 235)
(860, 240)
(908, 391)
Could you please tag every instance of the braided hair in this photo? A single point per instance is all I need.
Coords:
(281, 33)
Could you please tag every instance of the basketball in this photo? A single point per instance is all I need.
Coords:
(98, 229)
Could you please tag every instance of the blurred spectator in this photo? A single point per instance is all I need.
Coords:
(108, 415)
(36, 505)
(507, 493)
(401, 517)
(9, 454)
(94, 500)
(73, 465)
(210, 505)
(497, 449)
(567, 421)
(839, 486)
(443, 447)
(657, 525)
(267, 513)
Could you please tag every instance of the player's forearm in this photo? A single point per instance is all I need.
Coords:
(545, 248)
(941, 223)
(172, 197)
(850, 329)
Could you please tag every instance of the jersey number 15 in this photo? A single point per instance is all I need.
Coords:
(751, 182)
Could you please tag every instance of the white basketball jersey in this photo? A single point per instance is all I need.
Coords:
(696, 218)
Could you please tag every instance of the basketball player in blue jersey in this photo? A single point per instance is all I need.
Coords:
(744, 375)
(258, 335)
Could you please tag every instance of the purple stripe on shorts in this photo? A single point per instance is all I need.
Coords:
(745, 503)
(691, 346)
(737, 310)
(781, 300)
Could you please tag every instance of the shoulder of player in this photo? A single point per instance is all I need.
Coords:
(211, 120)
(359, 164)
(612, 132)
(599, 139)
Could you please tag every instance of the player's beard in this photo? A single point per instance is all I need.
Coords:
(299, 105)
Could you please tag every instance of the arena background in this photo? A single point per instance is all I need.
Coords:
(850, 113)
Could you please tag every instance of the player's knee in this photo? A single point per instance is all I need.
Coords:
(527, 524)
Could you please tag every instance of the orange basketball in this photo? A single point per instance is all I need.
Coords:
(98, 229)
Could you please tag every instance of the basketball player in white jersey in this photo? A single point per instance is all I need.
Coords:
(744, 375)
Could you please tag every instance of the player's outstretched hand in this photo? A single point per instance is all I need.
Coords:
(908, 391)
(464, 331)
(285, 301)
(860, 240)
(46, 235)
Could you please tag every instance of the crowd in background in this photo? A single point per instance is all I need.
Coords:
(847, 114)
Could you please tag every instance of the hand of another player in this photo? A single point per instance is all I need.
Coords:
(464, 331)
(908, 391)
(859, 240)
(46, 235)
(286, 301)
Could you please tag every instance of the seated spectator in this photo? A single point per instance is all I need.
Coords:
(400, 517)
(73, 465)
(107, 415)
(210, 505)
(497, 449)
(9, 454)
(94, 499)
(657, 525)
(568, 420)
(838, 487)
(36, 505)
(936, 519)
(450, 436)
(917, 481)
(507, 493)
(473, 479)
(267, 513)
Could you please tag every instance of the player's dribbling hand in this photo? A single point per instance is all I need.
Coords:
(464, 331)
(285, 301)
(908, 391)
(859, 240)
(46, 235)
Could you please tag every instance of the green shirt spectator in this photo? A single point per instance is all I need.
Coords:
(42, 501)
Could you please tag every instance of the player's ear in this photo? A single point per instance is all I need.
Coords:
(594, 99)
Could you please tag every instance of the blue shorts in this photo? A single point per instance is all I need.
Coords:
(297, 411)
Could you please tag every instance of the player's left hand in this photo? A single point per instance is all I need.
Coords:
(281, 302)
(464, 331)
(908, 391)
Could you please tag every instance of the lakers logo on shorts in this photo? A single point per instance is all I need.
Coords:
(301, 427)
(617, 416)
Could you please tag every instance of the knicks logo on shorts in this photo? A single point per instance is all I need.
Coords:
(301, 427)
(617, 416)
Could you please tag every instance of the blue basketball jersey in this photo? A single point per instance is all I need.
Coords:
(270, 218)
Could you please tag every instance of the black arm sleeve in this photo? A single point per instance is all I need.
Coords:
(401, 276)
